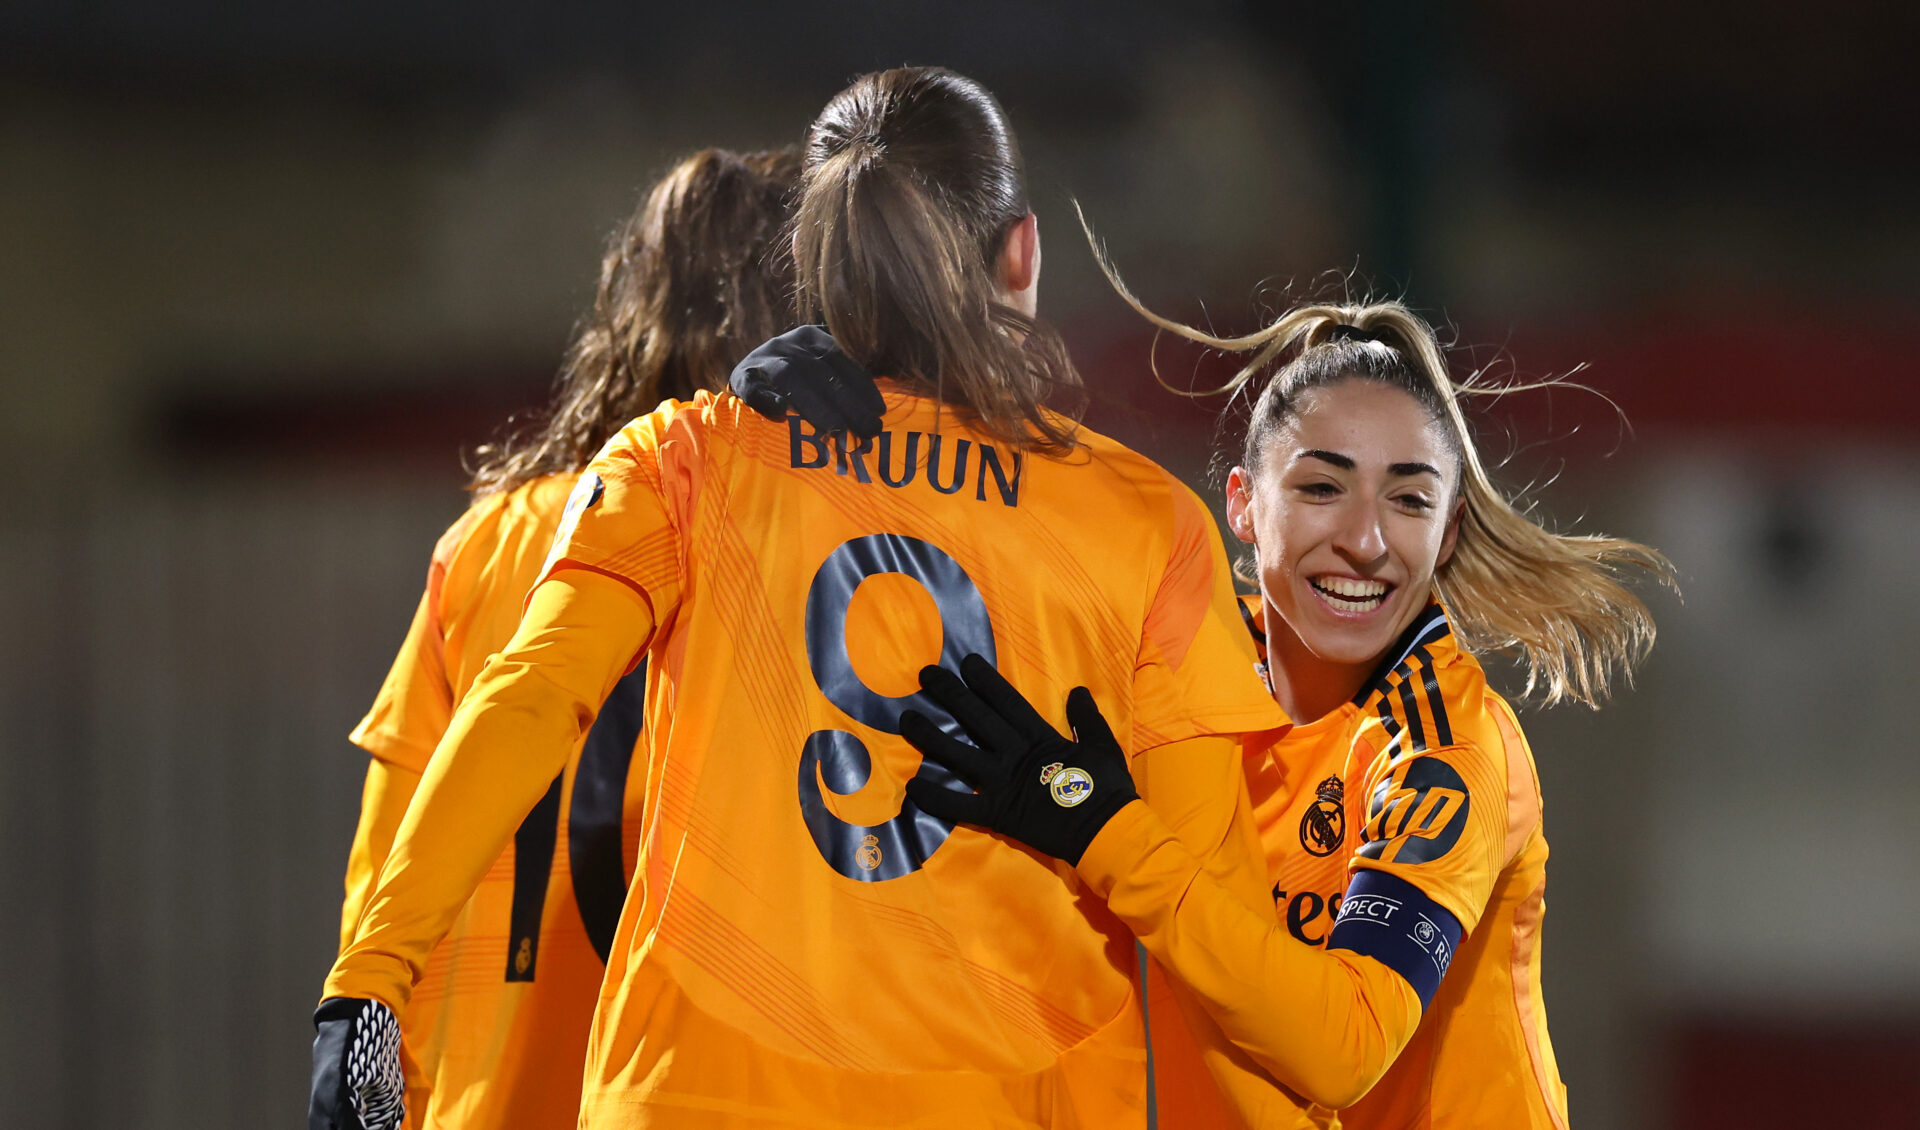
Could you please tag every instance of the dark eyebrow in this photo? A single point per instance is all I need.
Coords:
(1345, 463)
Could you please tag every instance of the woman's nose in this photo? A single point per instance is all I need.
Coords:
(1361, 536)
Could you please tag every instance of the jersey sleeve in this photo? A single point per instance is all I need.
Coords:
(629, 513)
(383, 804)
(1437, 820)
(1428, 857)
(415, 702)
(1323, 1024)
(1195, 674)
(510, 737)
(529, 708)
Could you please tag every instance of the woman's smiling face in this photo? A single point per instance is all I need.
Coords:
(1351, 511)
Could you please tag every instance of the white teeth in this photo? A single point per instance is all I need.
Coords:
(1347, 594)
(1351, 588)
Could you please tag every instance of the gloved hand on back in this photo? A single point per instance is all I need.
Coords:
(1030, 783)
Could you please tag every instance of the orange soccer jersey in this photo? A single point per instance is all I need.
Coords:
(497, 1027)
(1424, 776)
(804, 946)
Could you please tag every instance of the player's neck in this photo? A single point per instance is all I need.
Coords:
(1307, 686)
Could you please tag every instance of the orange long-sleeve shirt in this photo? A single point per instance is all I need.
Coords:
(801, 945)
(1424, 779)
(496, 1031)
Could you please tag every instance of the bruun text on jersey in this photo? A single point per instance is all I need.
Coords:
(897, 458)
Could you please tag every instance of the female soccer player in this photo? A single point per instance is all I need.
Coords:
(1401, 815)
(497, 1028)
(803, 944)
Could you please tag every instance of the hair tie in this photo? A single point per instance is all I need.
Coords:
(1344, 332)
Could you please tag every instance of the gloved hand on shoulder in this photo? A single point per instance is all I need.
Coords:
(804, 372)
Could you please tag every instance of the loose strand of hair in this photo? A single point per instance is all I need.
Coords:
(1267, 343)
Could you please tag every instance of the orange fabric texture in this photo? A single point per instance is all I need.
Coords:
(1480, 1055)
(800, 947)
(507, 743)
(484, 1051)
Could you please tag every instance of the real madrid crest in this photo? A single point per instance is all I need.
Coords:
(1323, 826)
(869, 854)
(1069, 786)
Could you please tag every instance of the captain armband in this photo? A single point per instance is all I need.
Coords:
(1392, 921)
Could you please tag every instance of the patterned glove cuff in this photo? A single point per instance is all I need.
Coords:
(374, 1077)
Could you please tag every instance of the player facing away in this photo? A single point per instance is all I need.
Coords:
(803, 944)
(497, 1028)
(1396, 982)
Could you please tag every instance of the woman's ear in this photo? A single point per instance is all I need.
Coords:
(1019, 265)
(1240, 504)
(1452, 536)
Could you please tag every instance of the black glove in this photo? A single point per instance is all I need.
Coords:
(357, 1080)
(804, 371)
(1030, 783)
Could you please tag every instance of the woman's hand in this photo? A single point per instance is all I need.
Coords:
(358, 1083)
(804, 372)
(1029, 782)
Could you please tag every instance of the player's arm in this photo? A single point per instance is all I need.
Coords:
(612, 578)
(399, 732)
(1324, 1023)
(383, 801)
(1194, 676)
(510, 736)
(612, 575)
(1197, 789)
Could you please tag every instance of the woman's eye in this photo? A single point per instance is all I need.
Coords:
(1319, 490)
(1415, 502)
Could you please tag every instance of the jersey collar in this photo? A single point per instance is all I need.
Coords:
(1253, 611)
(1429, 627)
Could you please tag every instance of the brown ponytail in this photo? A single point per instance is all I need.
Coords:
(913, 180)
(1512, 586)
(696, 277)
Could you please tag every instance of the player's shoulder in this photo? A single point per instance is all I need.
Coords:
(473, 523)
(1113, 484)
(537, 502)
(1429, 693)
(526, 511)
(704, 413)
(1124, 464)
(491, 548)
(1429, 719)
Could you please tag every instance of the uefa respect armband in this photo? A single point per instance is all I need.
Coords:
(1394, 922)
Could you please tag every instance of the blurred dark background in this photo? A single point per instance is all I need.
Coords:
(266, 271)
